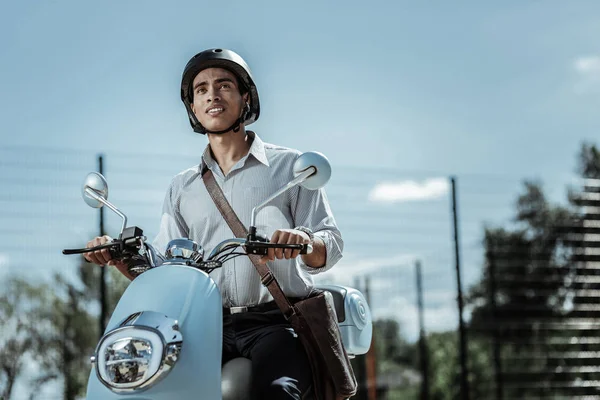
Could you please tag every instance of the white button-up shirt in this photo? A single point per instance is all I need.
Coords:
(189, 212)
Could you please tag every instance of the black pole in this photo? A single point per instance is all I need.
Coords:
(464, 381)
(422, 344)
(491, 256)
(103, 305)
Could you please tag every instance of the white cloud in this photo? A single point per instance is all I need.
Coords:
(396, 192)
(588, 72)
(588, 65)
(3, 260)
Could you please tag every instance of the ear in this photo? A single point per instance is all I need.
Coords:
(246, 97)
(193, 108)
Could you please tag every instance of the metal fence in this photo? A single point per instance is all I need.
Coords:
(542, 318)
(391, 221)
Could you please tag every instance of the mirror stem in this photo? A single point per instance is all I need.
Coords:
(297, 180)
(92, 193)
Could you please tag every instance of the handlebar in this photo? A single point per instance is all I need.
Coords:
(262, 248)
(130, 250)
(110, 245)
(138, 257)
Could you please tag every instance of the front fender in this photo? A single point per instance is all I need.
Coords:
(192, 298)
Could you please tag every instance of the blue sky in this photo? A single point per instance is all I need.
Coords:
(391, 92)
(454, 86)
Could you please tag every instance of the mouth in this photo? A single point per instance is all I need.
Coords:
(215, 110)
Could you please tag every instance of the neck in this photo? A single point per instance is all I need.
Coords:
(228, 148)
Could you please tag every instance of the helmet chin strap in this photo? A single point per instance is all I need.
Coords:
(236, 125)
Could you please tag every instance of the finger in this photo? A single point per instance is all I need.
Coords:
(87, 255)
(283, 238)
(94, 258)
(289, 253)
(105, 255)
(275, 236)
(274, 239)
(299, 240)
(271, 255)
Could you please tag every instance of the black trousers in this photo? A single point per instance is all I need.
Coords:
(280, 368)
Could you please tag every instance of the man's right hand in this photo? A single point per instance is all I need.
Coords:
(103, 257)
(100, 257)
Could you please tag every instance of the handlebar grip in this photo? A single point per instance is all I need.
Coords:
(75, 251)
(306, 249)
(261, 248)
(111, 247)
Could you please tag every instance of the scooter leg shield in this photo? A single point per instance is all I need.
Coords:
(191, 297)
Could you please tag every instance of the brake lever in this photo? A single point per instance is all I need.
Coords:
(110, 246)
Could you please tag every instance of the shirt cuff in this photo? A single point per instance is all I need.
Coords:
(333, 254)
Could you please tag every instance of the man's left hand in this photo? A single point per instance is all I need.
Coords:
(285, 236)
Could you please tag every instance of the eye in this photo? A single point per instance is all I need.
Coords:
(225, 86)
(200, 90)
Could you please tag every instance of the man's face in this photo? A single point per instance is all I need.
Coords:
(217, 99)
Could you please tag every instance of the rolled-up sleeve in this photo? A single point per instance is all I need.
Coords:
(172, 225)
(311, 209)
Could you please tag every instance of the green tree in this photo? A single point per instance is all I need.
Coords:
(21, 304)
(526, 288)
(74, 324)
(55, 324)
(588, 165)
(444, 367)
(392, 350)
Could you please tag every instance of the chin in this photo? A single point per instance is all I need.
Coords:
(217, 125)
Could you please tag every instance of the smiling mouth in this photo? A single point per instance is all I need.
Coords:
(215, 110)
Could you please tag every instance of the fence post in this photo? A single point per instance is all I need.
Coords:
(103, 305)
(464, 376)
(422, 344)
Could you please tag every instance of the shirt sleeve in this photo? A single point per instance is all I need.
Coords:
(311, 209)
(172, 225)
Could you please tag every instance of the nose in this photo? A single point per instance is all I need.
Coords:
(213, 94)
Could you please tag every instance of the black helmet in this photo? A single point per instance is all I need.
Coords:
(231, 61)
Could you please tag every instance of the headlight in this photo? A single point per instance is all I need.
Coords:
(135, 355)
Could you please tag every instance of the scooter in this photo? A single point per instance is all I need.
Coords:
(164, 338)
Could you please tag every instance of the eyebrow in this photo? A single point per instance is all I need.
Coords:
(220, 80)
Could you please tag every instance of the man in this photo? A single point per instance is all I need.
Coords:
(221, 99)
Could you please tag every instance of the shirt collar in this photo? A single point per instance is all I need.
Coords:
(257, 150)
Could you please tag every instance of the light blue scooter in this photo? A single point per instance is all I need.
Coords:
(164, 338)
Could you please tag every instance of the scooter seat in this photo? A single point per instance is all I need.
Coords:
(236, 379)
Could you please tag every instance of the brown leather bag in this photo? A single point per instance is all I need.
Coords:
(314, 319)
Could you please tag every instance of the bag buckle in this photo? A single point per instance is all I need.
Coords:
(290, 314)
(267, 278)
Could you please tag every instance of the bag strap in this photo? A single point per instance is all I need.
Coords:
(239, 230)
